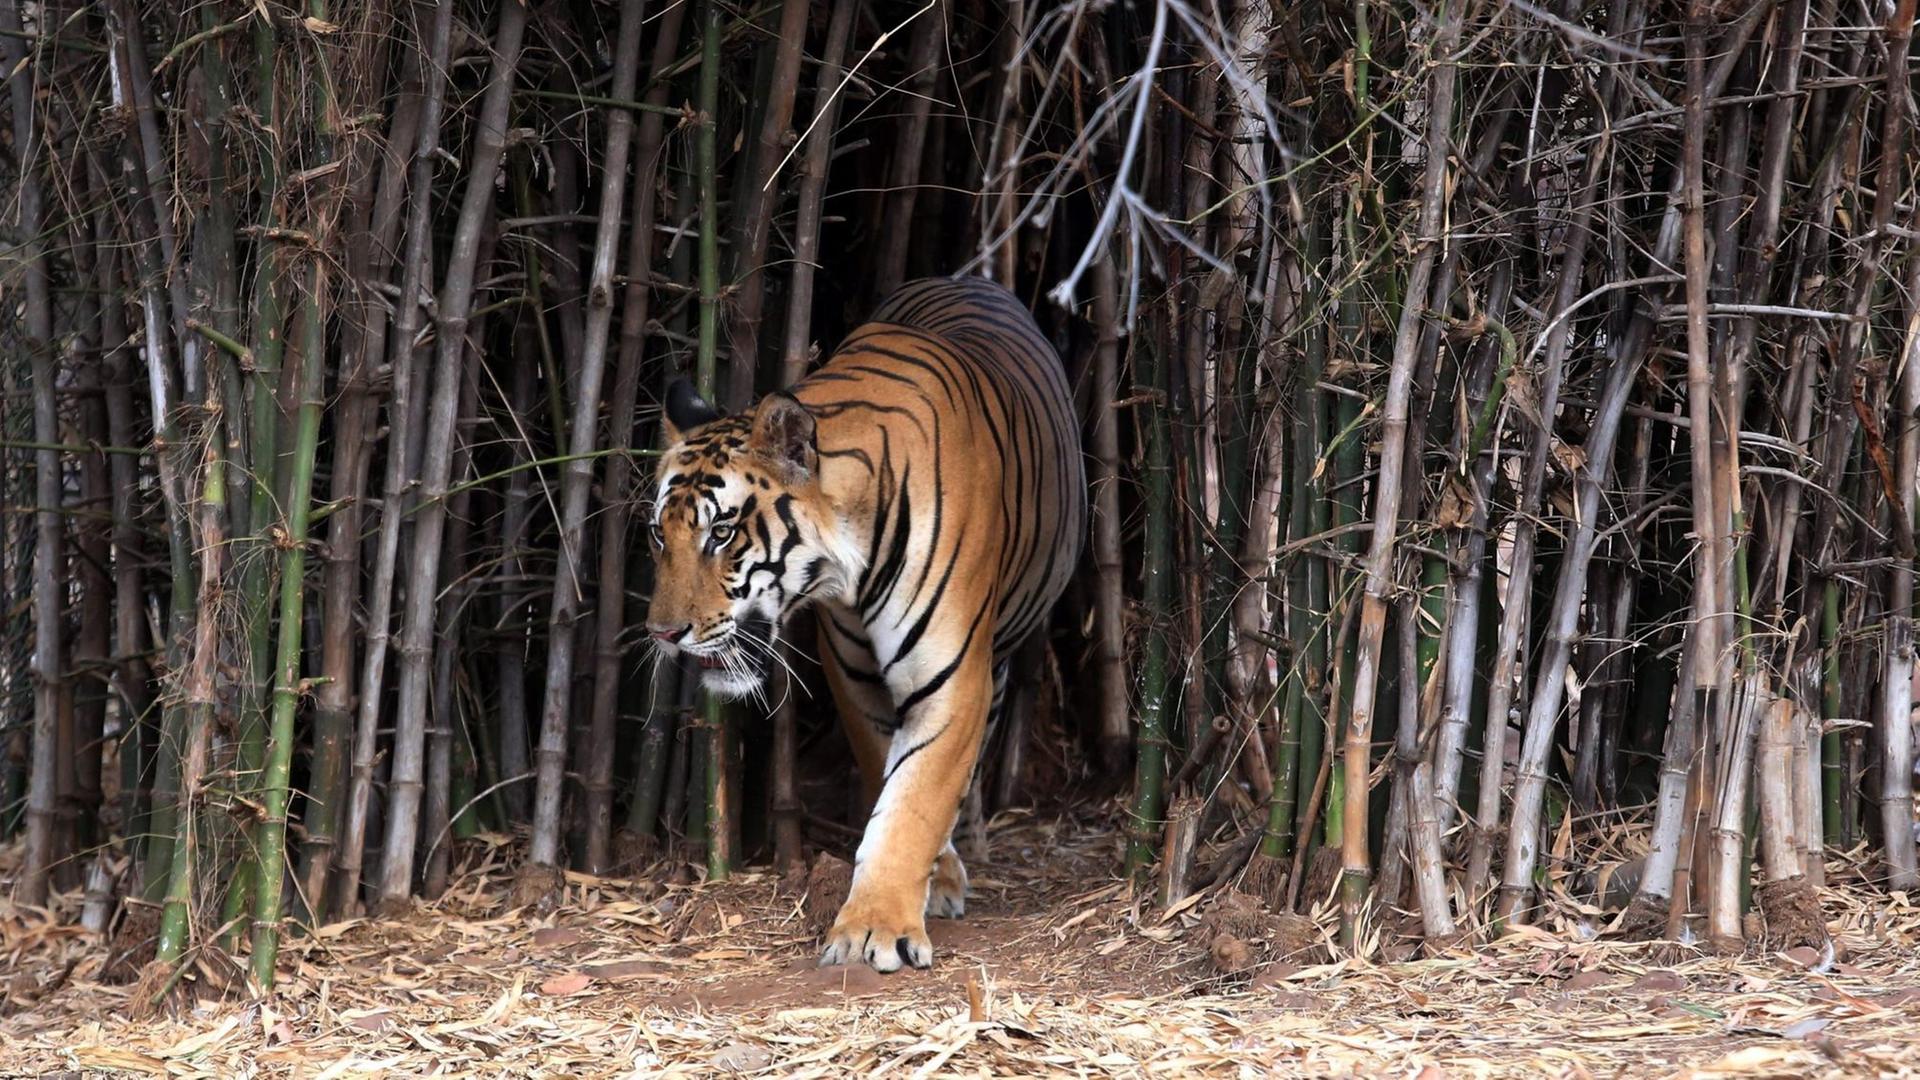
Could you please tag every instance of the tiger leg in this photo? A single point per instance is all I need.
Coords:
(928, 766)
(864, 704)
(867, 716)
(947, 895)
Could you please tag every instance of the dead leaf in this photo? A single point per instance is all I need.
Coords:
(742, 1057)
(1810, 1026)
(376, 1021)
(566, 985)
(107, 1057)
(555, 937)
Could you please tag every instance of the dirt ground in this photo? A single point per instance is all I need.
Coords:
(1054, 972)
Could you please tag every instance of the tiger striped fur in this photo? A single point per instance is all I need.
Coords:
(923, 493)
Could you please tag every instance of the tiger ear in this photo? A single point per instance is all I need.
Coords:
(783, 433)
(686, 410)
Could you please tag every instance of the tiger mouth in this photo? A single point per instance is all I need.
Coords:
(739, 655)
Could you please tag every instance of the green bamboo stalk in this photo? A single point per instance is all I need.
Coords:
(466, 773)
(1348, 463)
(198, 691)
(1234, 406)
(310, 392)
(1302, 739)
(1150, 751)
(258, 464)
(1315, 625)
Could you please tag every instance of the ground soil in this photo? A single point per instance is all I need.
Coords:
(1056, 971)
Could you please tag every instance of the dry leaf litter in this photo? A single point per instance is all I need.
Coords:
(1056, 971)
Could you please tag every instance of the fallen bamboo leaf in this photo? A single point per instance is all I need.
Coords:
(566, 985)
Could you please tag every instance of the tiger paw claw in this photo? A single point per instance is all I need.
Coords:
(884, 949)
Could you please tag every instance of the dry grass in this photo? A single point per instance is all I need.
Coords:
(1068, 977)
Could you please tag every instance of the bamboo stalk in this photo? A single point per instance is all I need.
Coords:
(617, 517)
(364, 326)
(443, 718)
(310, 391)
(1529, 792)
(1150, 746)
(92, 680)
(129, 626)
(1515, 607)
(450, 348)
(258, 455)
(48, 669)
(719, 804)
(510, 639)
(403, 413)
(811, 197)
(1355, 859)
(197, 691)
(575, 479)
(904, 164)
(755, 221)
(1109, 599)
(1896, 716)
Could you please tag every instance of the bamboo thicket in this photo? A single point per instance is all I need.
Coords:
(1503, 426)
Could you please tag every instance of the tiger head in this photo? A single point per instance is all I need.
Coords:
(742, 534)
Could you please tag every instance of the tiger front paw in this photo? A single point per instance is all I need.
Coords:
(879, 936)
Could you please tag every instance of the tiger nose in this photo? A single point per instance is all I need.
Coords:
(669, 635)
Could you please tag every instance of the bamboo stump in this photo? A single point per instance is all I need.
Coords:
(1791, 910)
(537, 886)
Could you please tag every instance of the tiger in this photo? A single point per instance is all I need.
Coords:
(922, 493)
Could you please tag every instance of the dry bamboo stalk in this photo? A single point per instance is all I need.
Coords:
(129, 634)
(450, 348)
(49, 570)
(1386, 522)
(1809, 829)
(403, 412)
(364, 347)
(1711, 521)
(1183, 836)
(1896, 716)
(617, 516)
(1515, 606)
(576, 476)
(1113, 725)
(1779, 829)
(1727, 842)
(1529, 791)
(813, 183)
(903, 170)
(763, 196)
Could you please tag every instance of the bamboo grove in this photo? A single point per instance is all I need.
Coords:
(1501, 416)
